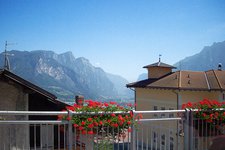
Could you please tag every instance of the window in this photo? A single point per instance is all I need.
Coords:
(163, 139)
(163, 108)
(155, 108)
(171, 115)
(154, 136)
(171, 143)
(171, 146)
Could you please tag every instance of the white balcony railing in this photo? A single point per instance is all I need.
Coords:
(158, 130)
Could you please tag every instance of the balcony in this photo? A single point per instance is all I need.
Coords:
(158, 130)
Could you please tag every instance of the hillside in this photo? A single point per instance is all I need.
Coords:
(208, 58)
(66, 76)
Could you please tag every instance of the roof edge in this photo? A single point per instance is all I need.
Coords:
(28, 84)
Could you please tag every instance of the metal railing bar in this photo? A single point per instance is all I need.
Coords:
(58, 129)
(74, 138)
(92, 142)
(118, 138)
(186, 130)
(158, 111)
(35, 144)
(100, 112)
(70, 132)
(156, 140)
(16, 136)
(31, 122)
(168, 140)
(172, 111)
(128, 138)
(97, 139)
(147, 132)
(123, 138)
(151, 139)
(33, 113)
(64, 136)
(142, 139)
(132, 136)
(10, 146)
(160, 136)
(41, 144)
(159, 119)
(53, 135)
(47, 136)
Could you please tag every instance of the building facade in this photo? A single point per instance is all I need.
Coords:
(17, 94)
(168, 90)
(165, 88)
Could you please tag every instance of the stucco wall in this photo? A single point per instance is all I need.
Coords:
(195, 96)
(156, 72)
(12, 97)
(146, 99)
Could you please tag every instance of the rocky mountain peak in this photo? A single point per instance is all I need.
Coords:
(67, 56)
(208, 58)
(64, 75)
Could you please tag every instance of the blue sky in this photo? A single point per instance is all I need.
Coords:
(120, 36)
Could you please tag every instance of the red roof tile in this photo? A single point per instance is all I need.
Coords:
(186, 80)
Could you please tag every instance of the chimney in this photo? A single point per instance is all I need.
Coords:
(220, 66)
(79, 99)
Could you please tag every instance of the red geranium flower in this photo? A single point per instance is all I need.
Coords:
(88, 123)
(208, 110)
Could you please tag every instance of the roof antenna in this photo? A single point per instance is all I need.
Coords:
(6, 62)
(160, 57)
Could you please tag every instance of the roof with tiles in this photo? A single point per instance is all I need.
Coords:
(11, 76)
(186, 80)
(160, 64)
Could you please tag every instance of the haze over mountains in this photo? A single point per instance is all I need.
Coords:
(207, 59)
(67, 76)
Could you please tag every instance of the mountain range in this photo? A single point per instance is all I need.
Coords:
(207, 59)
(67, 76)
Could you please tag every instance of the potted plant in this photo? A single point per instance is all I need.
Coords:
(98, 118)
(209, 116)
